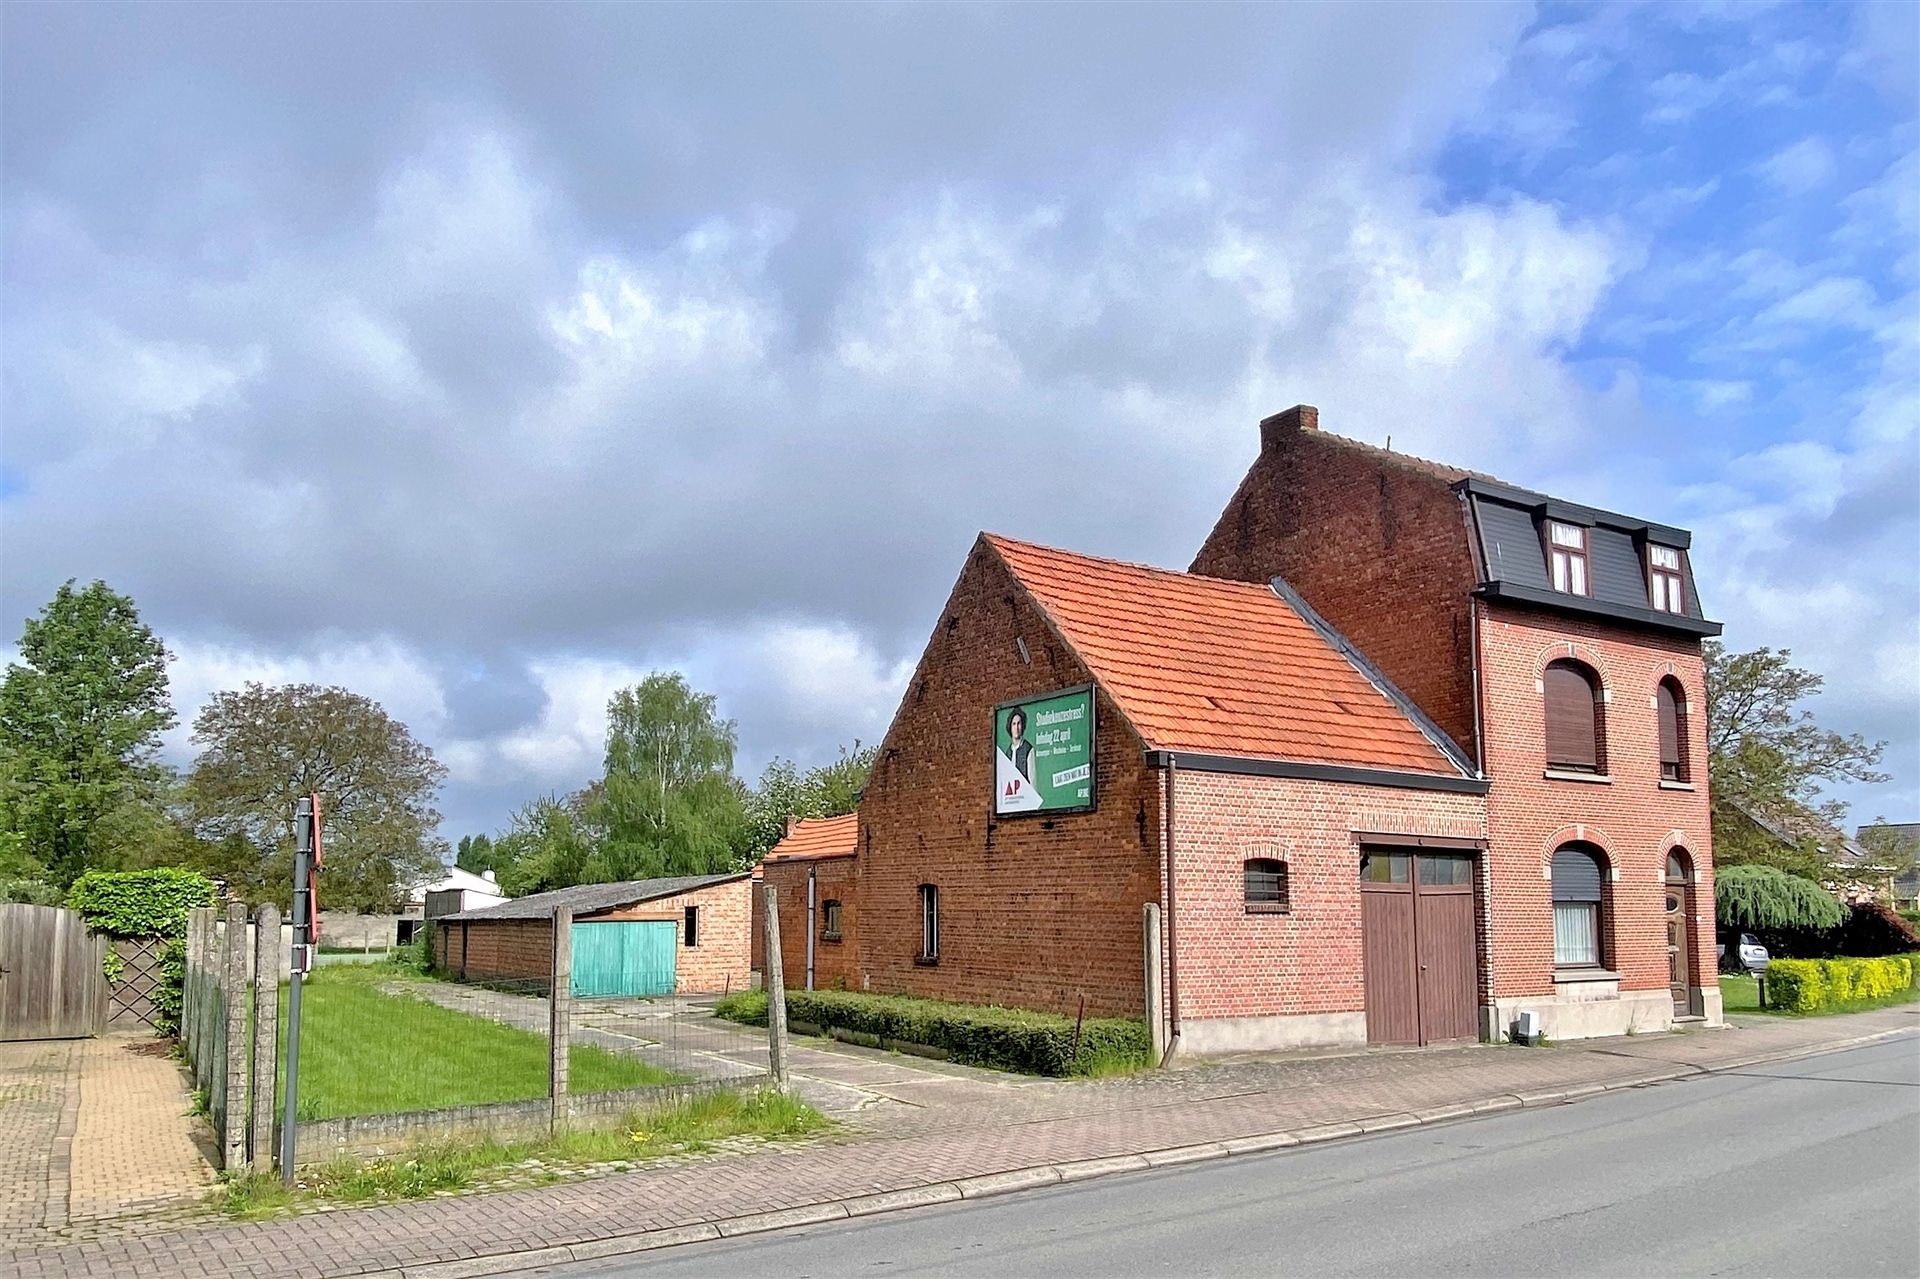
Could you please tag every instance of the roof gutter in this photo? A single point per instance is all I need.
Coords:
(1247, 767)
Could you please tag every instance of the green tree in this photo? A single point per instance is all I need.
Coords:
(669, 804)
(1768, 756)
(549, 844)
(477, 854)
(1768, 898)
(81, 714)
(261, 748)
(829, 790)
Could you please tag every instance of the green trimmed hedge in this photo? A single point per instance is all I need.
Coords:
(1814, 985)
(1019, 1039)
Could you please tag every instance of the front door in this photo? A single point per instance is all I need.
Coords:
(1677, 949)
(1417, 946)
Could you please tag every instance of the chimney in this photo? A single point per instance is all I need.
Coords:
(488, 876)
(1301, 417)
(792, 821)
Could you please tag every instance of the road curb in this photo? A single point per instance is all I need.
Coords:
(1079, 1170)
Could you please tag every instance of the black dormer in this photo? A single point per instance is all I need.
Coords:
(1514, 540)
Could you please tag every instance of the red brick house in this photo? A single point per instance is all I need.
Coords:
(814, 873)
(1558, 646)
(1247, 770)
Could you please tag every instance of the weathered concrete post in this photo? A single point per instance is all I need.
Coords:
(233, 1133)
(776, 994)
(1156, 1014)
(266, 1037)
(559, 1018)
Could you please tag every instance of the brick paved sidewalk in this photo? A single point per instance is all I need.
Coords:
(95, 1137)
(1191, 1111)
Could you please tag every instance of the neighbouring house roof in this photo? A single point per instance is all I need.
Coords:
(1210, 667)
(1796, 829)
(812, 838)
(588, 899)
(458, 878)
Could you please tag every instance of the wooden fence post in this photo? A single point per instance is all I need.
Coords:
(266, 1037)
(776, 994)
(560, 1019)
(233, 1135)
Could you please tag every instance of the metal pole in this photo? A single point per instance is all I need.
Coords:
(302, 919)
(813, 927)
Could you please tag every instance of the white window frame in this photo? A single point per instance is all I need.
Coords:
(1665, 581)
(929, 921)
(1569, 557)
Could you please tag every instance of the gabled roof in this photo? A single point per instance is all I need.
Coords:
(1210, 667)
(588, 899)
(815, 837)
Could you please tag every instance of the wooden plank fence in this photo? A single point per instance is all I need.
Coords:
(53, 982)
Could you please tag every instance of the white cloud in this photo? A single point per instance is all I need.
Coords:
(1807, 165)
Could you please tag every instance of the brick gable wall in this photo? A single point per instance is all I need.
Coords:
(1033, 911)
(1380, 549)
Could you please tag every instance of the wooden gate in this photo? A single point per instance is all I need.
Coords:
(52, 981)
(1417, 947)
(624, 957)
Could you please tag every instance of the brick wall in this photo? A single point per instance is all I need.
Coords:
(495, 950)
(1632, 818)
(722, 959)
(1376, 543)
(1033, 911)
(1235, 964)
(835, 963)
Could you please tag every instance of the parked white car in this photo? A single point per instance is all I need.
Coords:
(1745, 954)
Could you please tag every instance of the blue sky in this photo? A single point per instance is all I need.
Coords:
(484, 359)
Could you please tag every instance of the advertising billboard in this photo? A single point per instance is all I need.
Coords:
(1043, 754)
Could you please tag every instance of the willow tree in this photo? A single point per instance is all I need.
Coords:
(1765, 897)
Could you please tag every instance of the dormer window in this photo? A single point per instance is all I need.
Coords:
(1663, 579)
(1567, 552)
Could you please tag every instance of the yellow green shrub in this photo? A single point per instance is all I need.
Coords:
(1810, 985)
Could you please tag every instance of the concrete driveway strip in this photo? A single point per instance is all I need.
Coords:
(1808, 1168)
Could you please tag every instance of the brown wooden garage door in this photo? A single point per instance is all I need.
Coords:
(1417, 945)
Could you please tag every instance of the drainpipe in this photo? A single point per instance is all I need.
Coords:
(1173, 937)
(813, 874)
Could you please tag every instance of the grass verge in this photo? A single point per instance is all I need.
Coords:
(1741, 994)
(364, 1051)
(687, 1128)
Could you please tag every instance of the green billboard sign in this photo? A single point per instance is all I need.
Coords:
(1043, 754)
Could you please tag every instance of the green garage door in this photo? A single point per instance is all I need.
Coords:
(628, 957)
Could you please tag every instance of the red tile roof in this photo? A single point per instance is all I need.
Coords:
(1216, 667)
(815, 837)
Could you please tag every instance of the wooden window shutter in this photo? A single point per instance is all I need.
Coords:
(1572, 725)
(1669, 732)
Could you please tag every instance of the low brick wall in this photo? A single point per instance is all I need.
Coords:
(362, 1136)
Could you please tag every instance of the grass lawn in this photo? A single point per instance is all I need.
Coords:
(1741, 994)
(687, 1127)
(366, 1052)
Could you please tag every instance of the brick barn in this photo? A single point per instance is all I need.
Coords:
(643, 937)
(1408, 751)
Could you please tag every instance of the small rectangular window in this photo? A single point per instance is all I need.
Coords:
(830, 921)
(693, 926)
(1266, 886)
(1664, 580)
(1567, 546)
(1576, 934)
(929, 923)
(1385, 868)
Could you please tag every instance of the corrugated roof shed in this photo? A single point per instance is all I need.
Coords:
(587, 899)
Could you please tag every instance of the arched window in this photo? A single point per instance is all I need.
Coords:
(1574, 719)
(1671, 704)
(1579, 888)
(1679, 867)
(1266, 881)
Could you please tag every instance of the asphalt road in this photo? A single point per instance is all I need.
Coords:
(1809, 1167)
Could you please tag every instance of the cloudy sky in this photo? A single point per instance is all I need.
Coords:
(484, 359)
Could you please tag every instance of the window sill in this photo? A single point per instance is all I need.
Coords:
(1269, 908)
(1569, 775)
(1562, 976)
(831, 938)
(1667, 784)
(927, 961)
